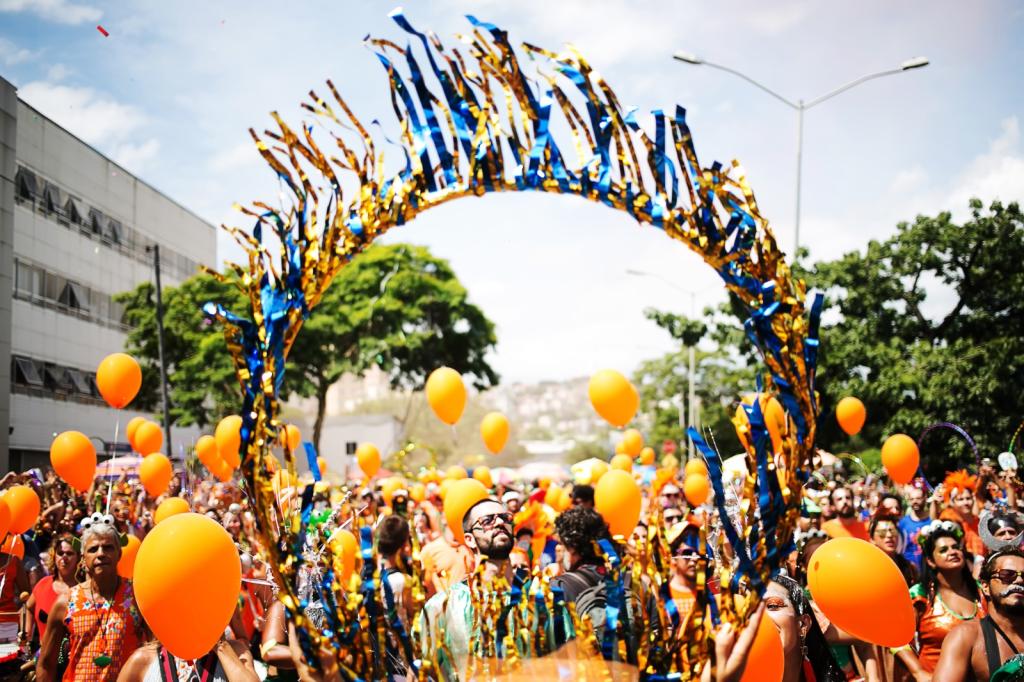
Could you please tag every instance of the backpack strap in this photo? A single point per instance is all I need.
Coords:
(988, 633)
(168, 669)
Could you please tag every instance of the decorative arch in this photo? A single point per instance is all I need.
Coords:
(472, 121)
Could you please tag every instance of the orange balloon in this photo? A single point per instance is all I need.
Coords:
(155, 473)
(223, 472)
(228, 435)
(696, 466)
(24, 505)
(647, 456)
(670, 462)
(613, 397)
(292, 437)
(774, 420)
(389, 486)
(879, 610)
(632, 442)
(696, 487)
(442, 488)
(5, 517)
(129, 430)
(206, 451)
(767, 660)
(188, 554)
(126, 564)
(346, 549)
(14, 546)
(900, 458)
(368, 457)
(119, 379)
(149, 438)
(456, 473)
(461, 495)
(483, 474)
(850, 414)
(321, 464)
(418, 492)
(446, 394)
(170, 507)
(617, 499)
(622, 463)
(494, 431)
(620, 448)
(73, 457)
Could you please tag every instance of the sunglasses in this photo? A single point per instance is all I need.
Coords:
(672, 518)
(492, 520)
(1008, 576)
(686, 553)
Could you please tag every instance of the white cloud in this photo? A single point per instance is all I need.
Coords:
(909, 180)
(11, 54)
(239, 156)
(57, 72)
(88, 114)
(58, 11)
(134, 157)
(996, 174)
(774, 20)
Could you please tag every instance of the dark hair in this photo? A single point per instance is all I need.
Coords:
(892, 496)
(832, 493)
(988, 568)
(818, 652)
(930, 577)
(579, 528)
(392, 534)
(880, 516)
(583, 493)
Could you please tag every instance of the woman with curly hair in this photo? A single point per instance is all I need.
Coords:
(946, 596)
(63, 567)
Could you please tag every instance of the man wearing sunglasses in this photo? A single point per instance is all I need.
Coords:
(990, 648)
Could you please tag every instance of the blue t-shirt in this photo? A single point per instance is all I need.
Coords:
(910, 528)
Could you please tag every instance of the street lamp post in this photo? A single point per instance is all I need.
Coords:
(801, 106)
(691, 390)
(155, 250)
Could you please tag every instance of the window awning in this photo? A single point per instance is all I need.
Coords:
(27, 372)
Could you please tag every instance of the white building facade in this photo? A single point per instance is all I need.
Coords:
(75, 230)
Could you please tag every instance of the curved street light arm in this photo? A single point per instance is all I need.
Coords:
(851, 84)
(753, 82)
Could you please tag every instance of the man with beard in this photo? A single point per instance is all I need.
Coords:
(846, 524)
(990, 647)
(917, 517)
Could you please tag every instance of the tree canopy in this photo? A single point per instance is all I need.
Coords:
(396, 307)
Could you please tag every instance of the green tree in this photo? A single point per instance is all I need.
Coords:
(396, 307)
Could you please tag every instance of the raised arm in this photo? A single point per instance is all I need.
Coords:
(46, 668)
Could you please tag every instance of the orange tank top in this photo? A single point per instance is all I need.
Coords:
(101, 630)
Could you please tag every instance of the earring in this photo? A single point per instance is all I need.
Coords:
(803, 647)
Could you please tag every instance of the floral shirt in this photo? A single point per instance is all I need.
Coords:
(100, 629)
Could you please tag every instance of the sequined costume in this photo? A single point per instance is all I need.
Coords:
(934, 623)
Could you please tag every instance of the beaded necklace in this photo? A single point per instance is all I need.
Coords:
(104, 659)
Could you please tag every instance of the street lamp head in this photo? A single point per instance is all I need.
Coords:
(915, 63)
(687, 57)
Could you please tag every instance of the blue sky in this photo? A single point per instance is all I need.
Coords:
(171, 92)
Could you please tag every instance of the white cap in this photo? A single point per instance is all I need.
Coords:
(511, 495)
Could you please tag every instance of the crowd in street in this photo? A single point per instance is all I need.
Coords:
(67, 610)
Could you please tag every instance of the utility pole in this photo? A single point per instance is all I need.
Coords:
(155, 249)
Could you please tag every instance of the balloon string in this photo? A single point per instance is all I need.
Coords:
(110, 483)
(1015, 434)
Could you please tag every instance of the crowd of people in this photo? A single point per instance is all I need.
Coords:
(67, 610)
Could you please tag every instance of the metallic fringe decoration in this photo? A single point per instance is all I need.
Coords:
(472, 121)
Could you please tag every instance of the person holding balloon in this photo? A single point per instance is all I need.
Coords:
(228, 661)
(806, 654)
(99, 616)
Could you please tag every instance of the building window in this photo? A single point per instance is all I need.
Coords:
(54, 199)
(76, 211)
(26, 185)
(75, 296)
(80, 382)
(25, 372)
(96, 220)
(351, 447)
(56, 378)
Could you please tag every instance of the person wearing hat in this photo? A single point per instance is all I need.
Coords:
(512, 500)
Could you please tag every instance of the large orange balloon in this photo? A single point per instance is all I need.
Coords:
(5, 517)
(879, 609)
(613, 397)
(187, 580)
(446, 394)
(900, 458)
(417, 492)
(126, 564)
(494, 431)
(617, 499)
(696, 487)
(368, 458)
(696, 466)
(149, 438)
(119, 378)
(767, 660)
(850, 414)
(456, 472)
(170, 507)
(292, 437)
(206, 451)
(73, 457)
(129, 431)
(228, 435)
(24, 505)
(483, 474)
(622, 463)
(223, 472)
(346, 549)
(632, 442)
(155, 473)
(647, 456)
(460, 496)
